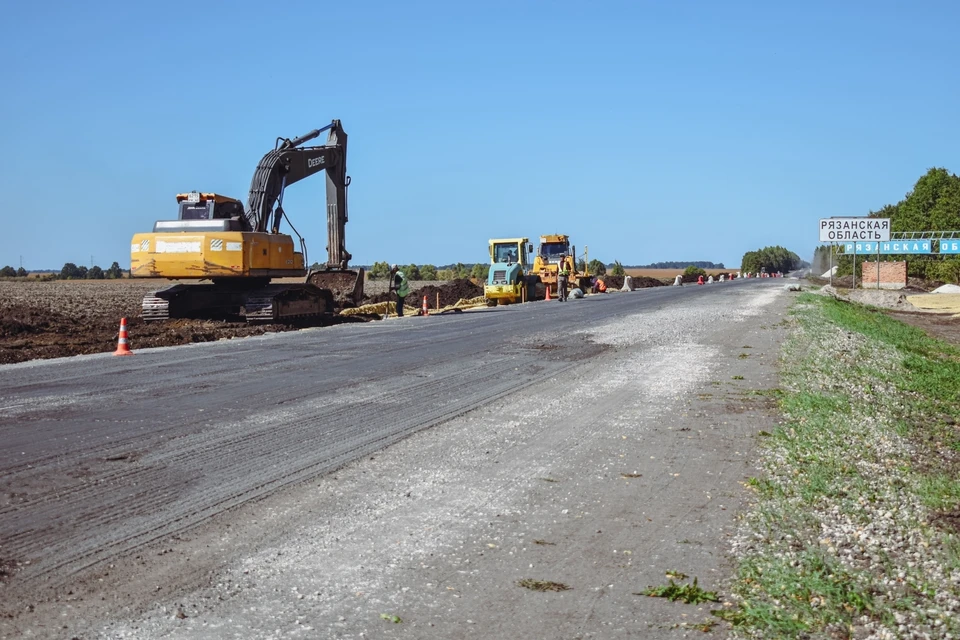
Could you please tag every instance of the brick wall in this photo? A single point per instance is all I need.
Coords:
(893, 275)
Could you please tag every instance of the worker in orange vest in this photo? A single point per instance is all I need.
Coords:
(599, 286)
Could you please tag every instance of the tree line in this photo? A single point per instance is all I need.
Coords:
(70, 271)
(477, 271)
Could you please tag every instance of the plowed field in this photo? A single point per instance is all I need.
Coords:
(71, 317)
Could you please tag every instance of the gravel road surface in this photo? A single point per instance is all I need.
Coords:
(394, 479)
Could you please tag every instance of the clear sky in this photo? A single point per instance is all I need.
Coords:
(648, 131)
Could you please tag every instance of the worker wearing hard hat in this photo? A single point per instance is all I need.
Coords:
(398, 283)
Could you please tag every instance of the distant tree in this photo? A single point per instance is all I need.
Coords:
(948, 271)
(412, 272)
(460, 271)
(316, 266)
(617, 269)
(22, 273)
(932, 205)
(379, 270)
(82, 272)
(750, 263)
(69, 272)
(480, 271)
(597, 268)
(114, 272)
(771, 259)
(95, 273)
(428, 272)
(693, 271)
(446, 274)
(8, 272)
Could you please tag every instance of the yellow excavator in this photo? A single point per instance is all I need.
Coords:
(240, 250)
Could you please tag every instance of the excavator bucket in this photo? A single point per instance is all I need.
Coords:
(345, 285)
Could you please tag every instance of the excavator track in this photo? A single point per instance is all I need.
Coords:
(283, 303)
(265, 304)
(154, 308)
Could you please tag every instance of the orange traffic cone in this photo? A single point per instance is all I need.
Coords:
(123, 348)
(548, 293)
(426, 309)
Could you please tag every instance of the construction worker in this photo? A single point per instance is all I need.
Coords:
(563, 276)
(599, 286)
(398, 283)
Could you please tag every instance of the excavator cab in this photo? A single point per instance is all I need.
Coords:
(208, 206)
(204, 212)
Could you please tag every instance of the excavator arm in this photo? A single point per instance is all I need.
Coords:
(290, 162)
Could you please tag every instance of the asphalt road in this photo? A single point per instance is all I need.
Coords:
(104, 457)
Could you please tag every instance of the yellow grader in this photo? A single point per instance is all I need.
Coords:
(552, 250)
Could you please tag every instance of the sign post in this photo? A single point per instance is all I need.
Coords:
(855, 229)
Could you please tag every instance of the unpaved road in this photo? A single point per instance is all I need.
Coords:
(243, 489)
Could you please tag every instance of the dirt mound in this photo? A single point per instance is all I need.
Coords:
(639, 282)
(612, 282)
(645, 282)
(450, 292)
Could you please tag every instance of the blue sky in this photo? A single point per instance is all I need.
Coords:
(648, 131)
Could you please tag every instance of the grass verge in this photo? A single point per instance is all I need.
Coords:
(853, 531)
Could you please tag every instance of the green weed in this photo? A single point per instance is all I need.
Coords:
(689, 593)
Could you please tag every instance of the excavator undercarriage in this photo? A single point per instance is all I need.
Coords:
(266, 304)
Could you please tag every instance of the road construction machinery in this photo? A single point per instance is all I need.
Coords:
(508, 280)
(240, 250)
(551, 251)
